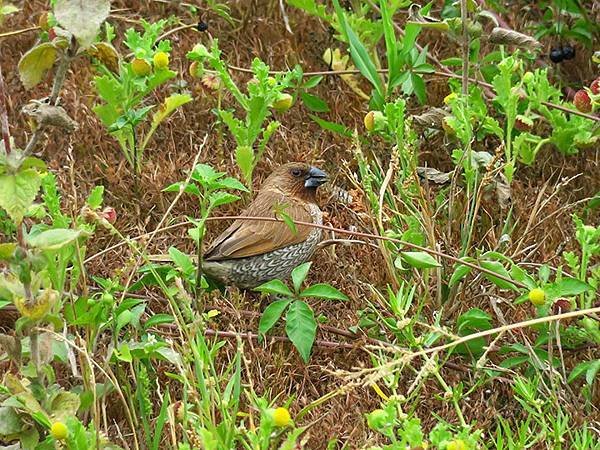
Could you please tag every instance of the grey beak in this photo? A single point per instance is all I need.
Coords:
(315, 178)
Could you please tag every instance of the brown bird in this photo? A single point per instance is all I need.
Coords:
(250, 253)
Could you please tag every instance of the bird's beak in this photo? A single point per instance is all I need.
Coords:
(315, 178)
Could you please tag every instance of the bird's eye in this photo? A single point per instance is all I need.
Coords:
(296, 172)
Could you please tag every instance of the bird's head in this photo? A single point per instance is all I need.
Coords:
(296, 179)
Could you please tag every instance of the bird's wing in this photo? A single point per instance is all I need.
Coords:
(250, 238)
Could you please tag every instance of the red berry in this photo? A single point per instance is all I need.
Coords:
(582, 101)
(51, 34)
(595, 86)
(109, 214)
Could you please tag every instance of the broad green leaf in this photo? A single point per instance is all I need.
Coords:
(314, 103)
(64, 405)
(230, 183)
(567, 287)
(82, 18)
(275, 287)
(271, 315)
(590, 368)
(459, 273)
(18, 191)
(332, 126)
(10, 422)
(221, 198)
(299, 275)
(53, 239)
(498, 268)
(301, 327)
(420, 260)
(124, 318)
(34, 64)
(322, 290)
(181, 260)
(170, 104)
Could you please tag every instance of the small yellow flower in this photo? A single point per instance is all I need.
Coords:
(161, 60)
(457, 444)
(537, 296)
(141, 67)
(59, 431)
(450, 97)
(283, 103)
(281, 417)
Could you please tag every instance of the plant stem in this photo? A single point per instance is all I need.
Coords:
(4, 115)
(59, 80)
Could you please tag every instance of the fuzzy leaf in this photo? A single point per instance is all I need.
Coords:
(53, 239)
(18, 191)
(82, 18)
(34, 64)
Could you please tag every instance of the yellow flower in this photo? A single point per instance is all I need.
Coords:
(450, 97)
(457, 444)
(141, 67)
(281, 417)
(537, 296)
(59, 431)
(161, 60)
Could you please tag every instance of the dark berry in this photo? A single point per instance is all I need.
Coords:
(568, 52)
(556, 55)
(202, 26)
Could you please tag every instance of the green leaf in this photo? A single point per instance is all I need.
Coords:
(53, 239)
(271, 315)
(301, 327)
(7, 250)
(275, 287)
(567, 287)
(332, 126)
(312, 82)
(244, 157)
(299, 275)
(169, 105)
(459, 273)
(64, 405)
(34, 64)
(590, 368)
(18, 191)
(221, 198)
(82, 18)
(230, 183)
(96, 197)
(498, 268)
(322, 290)
(158, 319)
(314, 103)
(420, 260)
(10, 422)
(182, 261)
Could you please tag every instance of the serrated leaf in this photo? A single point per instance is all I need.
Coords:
(82, 18)
(322, 290)
(301, 327)
(231, 183)
(244, 157)
(420, 260)
(53, 239)
(34, 64)
(271, 315)
(299, 275)
(18, 191)
(274, 287)
(96, 197)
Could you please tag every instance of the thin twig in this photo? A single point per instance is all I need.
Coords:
(16, 32)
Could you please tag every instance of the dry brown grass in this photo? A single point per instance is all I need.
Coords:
(96, 159)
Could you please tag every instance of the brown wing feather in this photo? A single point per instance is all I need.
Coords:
(250, 238)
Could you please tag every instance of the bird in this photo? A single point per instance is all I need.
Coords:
(250, 253)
